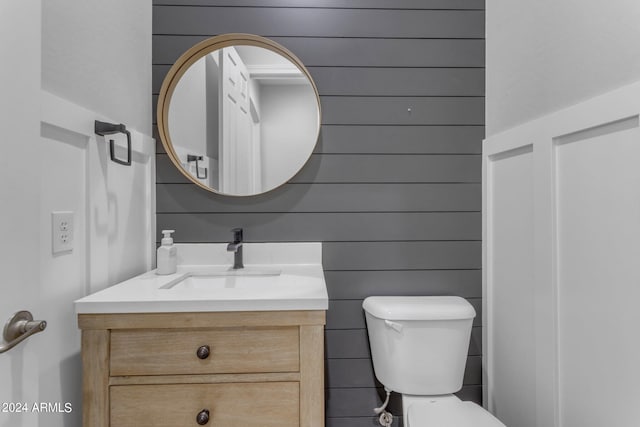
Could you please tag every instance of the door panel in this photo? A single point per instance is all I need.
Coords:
(598, 247)
(19, 122)
(236, 176)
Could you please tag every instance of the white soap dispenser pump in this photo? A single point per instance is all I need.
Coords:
(167, 254)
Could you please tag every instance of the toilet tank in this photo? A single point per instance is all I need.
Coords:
(419, 345)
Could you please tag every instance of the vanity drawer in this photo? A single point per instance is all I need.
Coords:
(231, 405)
(230, 350)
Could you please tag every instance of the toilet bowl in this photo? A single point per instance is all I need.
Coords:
(447, 413)
(419, 349)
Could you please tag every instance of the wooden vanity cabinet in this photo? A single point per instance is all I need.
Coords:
(231, 369)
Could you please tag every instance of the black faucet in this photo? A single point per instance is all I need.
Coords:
(236, 248)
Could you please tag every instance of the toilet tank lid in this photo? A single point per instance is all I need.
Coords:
(418, 308)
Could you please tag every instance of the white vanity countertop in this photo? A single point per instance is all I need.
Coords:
(299, 286)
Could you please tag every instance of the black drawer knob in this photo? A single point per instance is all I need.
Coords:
(203, 417)
(203, 352)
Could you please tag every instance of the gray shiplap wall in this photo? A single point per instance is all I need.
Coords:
(394, 197)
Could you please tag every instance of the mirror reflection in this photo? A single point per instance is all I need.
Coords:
(243, 120)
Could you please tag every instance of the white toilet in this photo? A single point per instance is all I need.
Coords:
(419, 349)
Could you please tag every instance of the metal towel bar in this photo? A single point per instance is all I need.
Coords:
(193, 158)
(103, 129)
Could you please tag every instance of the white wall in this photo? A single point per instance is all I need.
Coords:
(560, 86)
(285, 121)
(63, 76)
(188, 110)
(188, 121)
(560, 276)
(546, 55)
(97, 56)
(96, 53)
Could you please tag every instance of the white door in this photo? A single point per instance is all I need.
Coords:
(19, 216)
(51, 160)
(235, 147)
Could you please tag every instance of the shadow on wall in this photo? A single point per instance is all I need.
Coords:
(67, 411)
(71, 388)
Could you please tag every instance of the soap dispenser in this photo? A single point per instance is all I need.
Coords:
(167, 254)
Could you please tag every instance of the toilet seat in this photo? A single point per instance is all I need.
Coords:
(449, 413)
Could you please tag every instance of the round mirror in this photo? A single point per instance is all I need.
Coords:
(238, 114)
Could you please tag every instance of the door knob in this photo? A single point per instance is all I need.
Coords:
(20, 327)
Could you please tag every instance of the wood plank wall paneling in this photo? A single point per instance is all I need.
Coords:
(419, 139)
(393, 186)
(363, 81)
(336, 4)
(352, 52)
(316, 22)
(369, 168)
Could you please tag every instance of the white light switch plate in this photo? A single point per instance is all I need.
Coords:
(62, 232)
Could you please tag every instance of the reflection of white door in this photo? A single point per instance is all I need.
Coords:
(19, 121)
(235, 146)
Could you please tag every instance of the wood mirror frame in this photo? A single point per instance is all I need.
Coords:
(194, 54)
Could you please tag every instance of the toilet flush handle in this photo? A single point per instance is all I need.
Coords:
(394, 325)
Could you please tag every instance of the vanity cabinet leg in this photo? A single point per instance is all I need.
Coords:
(95, 378)
(312, 376)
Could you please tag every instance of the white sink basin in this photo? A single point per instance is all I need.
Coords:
(228, 284)
(245, 282)
(246, 278)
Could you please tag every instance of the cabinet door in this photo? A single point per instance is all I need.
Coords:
(230, 405)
